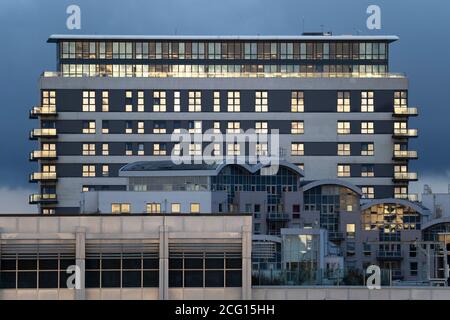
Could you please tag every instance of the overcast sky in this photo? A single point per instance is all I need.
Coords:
(421, 53)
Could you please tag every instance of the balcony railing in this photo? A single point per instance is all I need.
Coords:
(43, 111)
(389, 254)
(405, 196)
(277, 217)
(43, 198)
(43, 176)
(408, 176)
(405, 154)
(51, 74)
(405, 133)
(42, 154)
(405, 112)
(43, 133)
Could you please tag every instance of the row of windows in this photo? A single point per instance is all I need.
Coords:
(153, 207)
(260, 50)
(220, 71)
(234, 127)
(367, 170)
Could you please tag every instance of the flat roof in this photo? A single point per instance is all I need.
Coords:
(58, 37)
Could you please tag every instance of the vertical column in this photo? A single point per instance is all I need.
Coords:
(163, 263)
(246, 263)
(80, 260)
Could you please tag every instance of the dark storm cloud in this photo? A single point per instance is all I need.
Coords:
(421, 53)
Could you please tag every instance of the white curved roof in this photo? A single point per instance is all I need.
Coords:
(332, 182)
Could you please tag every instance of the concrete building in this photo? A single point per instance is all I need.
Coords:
(115, 100)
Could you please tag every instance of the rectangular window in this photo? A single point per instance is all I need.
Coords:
(195, 126)
(128, 149)
(367, 170)
(159, 127)
(88, 149)
(153, 207)
(105, 170)
(128, 101)
(233, 149)
(351, 230)
(217, 149)
(343, 149)
(141, 149)
(297, 149)
(89, 127)
(120, 208)
(176, 101)
(159, 101)
(343, 170)
(261, 101)
(413, 268)
(234, 127)
(262, 149)
(216, 102)
(88, 101)
(195, 101)
(141, 128)
(368, 192)
(367, 149)
(261, 127)
(297, 127)
(105, 126)
(140, 104)
(367, 101)
(105, 149)
(343, 101)
(400, 99)
(343, 127)
(234, 101)
(128, 127)
(195, 149)
(175, 208)
(195, 207)
(105, 101)
(216, 128)
(297, 101)
(367, 127)
(88, 170)
(159, 149)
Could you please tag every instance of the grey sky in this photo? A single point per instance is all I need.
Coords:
(423, 28)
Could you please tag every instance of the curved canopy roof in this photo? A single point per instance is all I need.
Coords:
(337, 182)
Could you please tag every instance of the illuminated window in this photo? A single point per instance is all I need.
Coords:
(159, 101)
(217, 149)
(401, 192)
(48, 101)
(261, 127)
(105, 126)
(297, 101)
(216, 101)
(297, 127)
(367, 149)
(88, 127)
(141, 149)
(195, 207)
(401, 127)
(128, 149)
(105, 170)
(367, 101)
(368, 192)
(88, 171)
(343, 101)
(159, 127)
(261, 149)
(297, 149)
(153, 207)
(261, 101)
(343, 170)
(141, 128)
(351, 230)
(343, 149)
(233, 127)
(176, 151)
(140, 104)
(176, 101)
(195, 126)
(88, 149)
(195, 101)
(367, 170)
(195, 149)
(400, 99)
(88, 101)
(367, 127)
(233, 149)
(216, 128)
(234, 101)
(128, 127)
(175, 208)
(159, 149)
(120, 208)
(343, 127)
(105, 149)
(105, 101)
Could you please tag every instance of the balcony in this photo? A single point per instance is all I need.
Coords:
(405, 112)
(405, 133)
(389, 255)
(404, 155)
(43, 155)
(42, 198)
(42, 111)
(405, 176)
(43, 176)
(405, 196)
(43, 133)
(277, 217)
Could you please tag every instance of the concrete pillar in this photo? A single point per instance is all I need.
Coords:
(80, 261)
(246, 263)
(163, 263)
